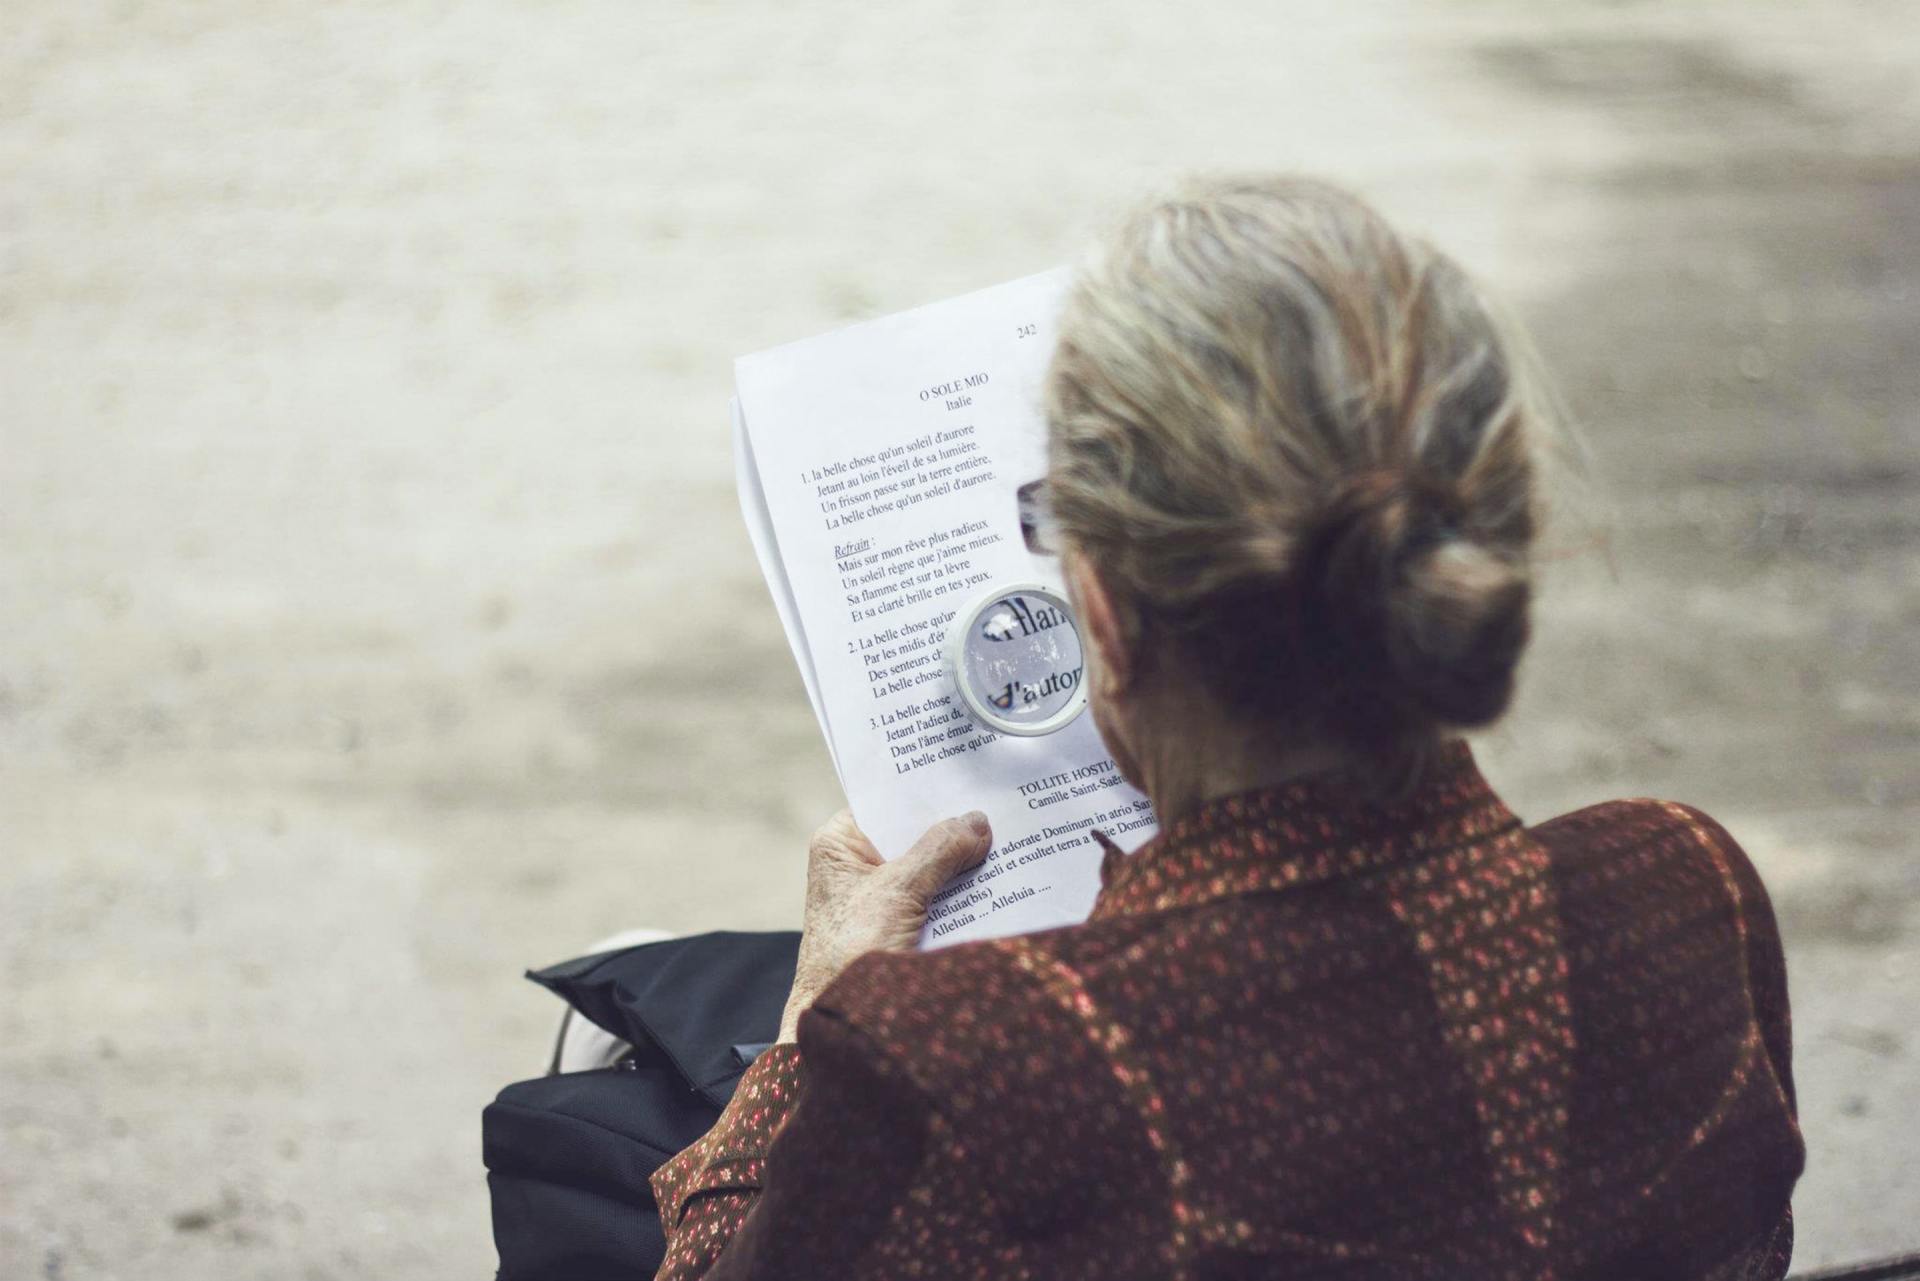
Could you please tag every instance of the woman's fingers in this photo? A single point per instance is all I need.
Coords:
(949, 847)
(840, 837)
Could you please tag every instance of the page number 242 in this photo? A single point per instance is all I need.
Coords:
(1026, 331)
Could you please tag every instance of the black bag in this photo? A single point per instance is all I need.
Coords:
(568, 1156)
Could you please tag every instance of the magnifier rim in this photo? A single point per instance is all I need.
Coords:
(956, 653)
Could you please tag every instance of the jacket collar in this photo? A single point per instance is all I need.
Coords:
(1310, 830)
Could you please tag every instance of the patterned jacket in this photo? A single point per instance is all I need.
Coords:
(1301, 1035)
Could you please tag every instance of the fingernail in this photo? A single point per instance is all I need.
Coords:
(977, 821)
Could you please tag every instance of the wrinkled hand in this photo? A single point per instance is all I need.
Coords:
(859, 903)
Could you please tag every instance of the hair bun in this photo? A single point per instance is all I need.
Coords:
(1457, 627)
(1409, 599)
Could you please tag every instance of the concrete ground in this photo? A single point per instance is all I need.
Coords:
(376, 619)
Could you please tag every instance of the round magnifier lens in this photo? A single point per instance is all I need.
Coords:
(1016, 660)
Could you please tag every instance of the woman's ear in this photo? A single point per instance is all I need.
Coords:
(1100, 622)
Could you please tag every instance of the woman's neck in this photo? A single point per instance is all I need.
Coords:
(1180, 772)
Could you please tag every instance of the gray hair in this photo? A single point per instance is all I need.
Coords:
(1301, 448)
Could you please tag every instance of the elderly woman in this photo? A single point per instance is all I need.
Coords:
(1346, 1016)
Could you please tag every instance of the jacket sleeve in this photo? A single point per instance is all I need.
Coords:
(804, 1169)
(1768, 1257)
(1765, 1259)
(1766, 958)
(706, 1191)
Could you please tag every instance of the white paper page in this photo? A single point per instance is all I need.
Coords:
(888, 456)
(766, 547)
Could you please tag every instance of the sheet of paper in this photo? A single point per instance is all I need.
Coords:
(887, 456)
(766, 547)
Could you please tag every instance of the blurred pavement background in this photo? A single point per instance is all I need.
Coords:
(376, 619)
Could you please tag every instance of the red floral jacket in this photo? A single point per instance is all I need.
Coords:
(1301, 1035)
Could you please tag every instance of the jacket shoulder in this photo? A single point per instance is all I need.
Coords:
(1661, 906)
(944, 1011)
(1002, 1039)
(1628, 820)
(1642, 839)
(980, 1023)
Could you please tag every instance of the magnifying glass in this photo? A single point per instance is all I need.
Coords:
(1015, 658)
